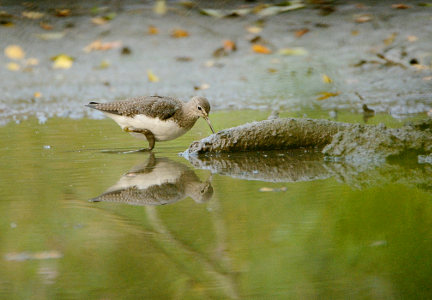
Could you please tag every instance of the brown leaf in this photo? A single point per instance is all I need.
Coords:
(390, 39)
(37, 95)
(63, 12)
(184, 58)
(354, 32)
(400, 6)
(99, 20)
(229, 46)
(152, 30)
(179, 33)
(34, 15)
(272, 70)
(301, 32)
(6, 23)
(254, 29)
(46, 26)
(14, 52)
(412, 38)
(98, 45)
(203, 86)
(258, 48)
(325, 95)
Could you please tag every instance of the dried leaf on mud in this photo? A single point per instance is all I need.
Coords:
(160, 7)
(400, 6)
(151, 76)
(65, 12)
(13, 66)
(301, 32)
(179, 33)
(62, 61)
(326, 79)
(325, 95)
(34, 15)
(14, 52)
(254, 29)
(363, 18)
(98, 45)
(293, 51)
(258, 48)
(152, 30)
(201, 87)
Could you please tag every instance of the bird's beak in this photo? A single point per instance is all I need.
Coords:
(208, 122)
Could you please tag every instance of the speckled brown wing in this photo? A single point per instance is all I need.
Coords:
(151, 106)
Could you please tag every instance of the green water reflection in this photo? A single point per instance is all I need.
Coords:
(320, 238)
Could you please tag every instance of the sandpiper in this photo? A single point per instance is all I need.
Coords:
(156, 118)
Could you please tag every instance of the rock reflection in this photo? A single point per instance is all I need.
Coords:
(158, 181)
(273, 166)
(307, 165)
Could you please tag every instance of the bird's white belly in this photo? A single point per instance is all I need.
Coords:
(162, 130)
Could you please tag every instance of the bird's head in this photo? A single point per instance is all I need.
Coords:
(201, 108)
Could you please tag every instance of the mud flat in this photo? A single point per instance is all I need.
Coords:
(338, 141)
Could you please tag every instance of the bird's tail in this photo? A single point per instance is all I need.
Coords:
(92, 104)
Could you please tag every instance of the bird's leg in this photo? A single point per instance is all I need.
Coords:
(148, 134)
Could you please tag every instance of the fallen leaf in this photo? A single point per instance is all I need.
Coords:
(160, 7)
(354, 32)
(46, 26)
(254, 29)
(62, 61)
(301, 32)
(257, 40)
(412, 38)
(203, 86)
(221, 13)
(34, 15)
(152, 30)
(427, 78)
(261, 49)
(325, 95)
(98, 45)
(37, 95)
(326, 79)
(277, 9)
(32, 61)
(179, 33)
(400, 6)
(14, 52)
(229, 46)
(152, 77)
(390, 39)
(362, 18)
(420, 67)
(63, 12)
(99, 20)
(51, 36)
(271, 70)
(12, 66)
(293, 51)
(184, 58)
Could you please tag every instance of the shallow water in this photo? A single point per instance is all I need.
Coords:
(332, 232)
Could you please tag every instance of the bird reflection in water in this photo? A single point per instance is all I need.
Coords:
(158, 181)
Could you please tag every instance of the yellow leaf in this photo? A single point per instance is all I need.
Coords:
(14, 52)
(32, 15)
(12, 66)
(325, 95)
(37, 94)
(261, 49)
(390, 39)
(326, 79)
(293, 51)
(152, 30)
(62, 61)
(152, 77)
(160, 7)
(99, 45)
(179, 33)
(254, 29)
(99, 21)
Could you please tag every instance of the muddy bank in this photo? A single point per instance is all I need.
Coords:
(351, 142)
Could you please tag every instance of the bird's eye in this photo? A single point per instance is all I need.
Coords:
(199, 108)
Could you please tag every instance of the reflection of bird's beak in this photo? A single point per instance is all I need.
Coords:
(208, 122)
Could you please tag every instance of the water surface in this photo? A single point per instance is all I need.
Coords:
(332, 234)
